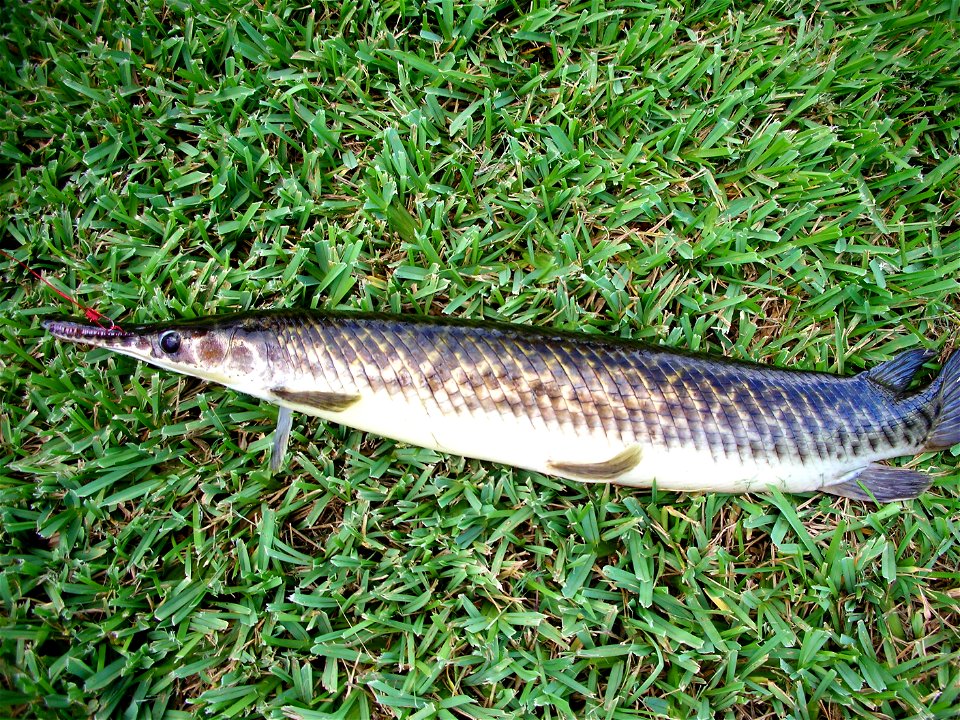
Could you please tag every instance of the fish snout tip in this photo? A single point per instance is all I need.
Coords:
(65, 329)
(59, 327)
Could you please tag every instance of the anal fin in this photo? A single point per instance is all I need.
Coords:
(321, 401)
(882, 483)
(607, 470)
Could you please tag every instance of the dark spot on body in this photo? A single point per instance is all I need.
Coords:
(889, 435)
(241, 357)
(210, 350)
(434, 382)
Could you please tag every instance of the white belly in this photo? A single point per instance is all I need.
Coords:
(527, 443)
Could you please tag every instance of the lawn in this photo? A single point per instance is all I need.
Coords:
(763, 181)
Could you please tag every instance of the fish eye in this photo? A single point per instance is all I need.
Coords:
(170, 341)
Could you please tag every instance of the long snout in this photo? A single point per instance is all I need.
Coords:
(87, 333)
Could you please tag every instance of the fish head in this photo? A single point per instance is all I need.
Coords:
(199, 348)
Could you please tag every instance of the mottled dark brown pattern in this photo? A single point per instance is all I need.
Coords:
(635, 393)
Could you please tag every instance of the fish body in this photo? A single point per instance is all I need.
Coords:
(583, 407)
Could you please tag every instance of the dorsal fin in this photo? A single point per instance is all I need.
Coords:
(897, 373)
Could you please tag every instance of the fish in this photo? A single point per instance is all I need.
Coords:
(584, 407)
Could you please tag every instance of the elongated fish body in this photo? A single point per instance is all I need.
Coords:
(576, 406)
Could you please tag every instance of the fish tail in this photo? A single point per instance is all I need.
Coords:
(945, 432)
(886, 483)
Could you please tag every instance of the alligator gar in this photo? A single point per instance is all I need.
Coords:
(582, 407)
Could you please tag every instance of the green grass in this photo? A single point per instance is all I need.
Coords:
(762, 181)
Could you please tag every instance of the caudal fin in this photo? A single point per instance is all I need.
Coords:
(946, 428)
(885, 483)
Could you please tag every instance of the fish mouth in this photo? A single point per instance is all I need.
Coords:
(78, 332)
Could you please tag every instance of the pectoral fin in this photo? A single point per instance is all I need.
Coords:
(280, 438)
(321, 401)
(882, 483)
(607, 470)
